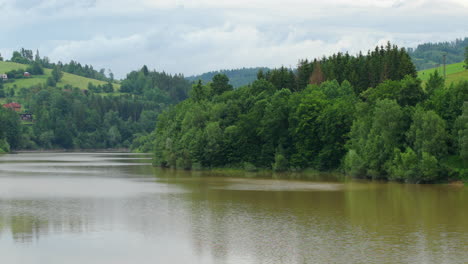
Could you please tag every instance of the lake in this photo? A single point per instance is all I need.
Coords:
(114, 208)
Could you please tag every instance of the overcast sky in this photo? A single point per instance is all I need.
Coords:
(197, 36)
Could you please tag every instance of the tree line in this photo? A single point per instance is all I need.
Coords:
(157, 86)
(429, 55)
(71, 118)
(237, 77)
(367, 115)
(25, 56)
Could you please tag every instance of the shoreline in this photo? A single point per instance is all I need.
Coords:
(117, 150)
(306, 174)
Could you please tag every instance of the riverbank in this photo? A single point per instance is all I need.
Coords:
(306, 174)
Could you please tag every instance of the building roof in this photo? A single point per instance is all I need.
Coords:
(12, 105)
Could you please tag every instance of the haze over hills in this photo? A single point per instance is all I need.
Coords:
(430, 55)
(424, 56)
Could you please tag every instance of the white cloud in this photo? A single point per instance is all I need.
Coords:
(201, 35)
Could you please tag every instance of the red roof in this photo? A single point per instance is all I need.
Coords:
(12, 105)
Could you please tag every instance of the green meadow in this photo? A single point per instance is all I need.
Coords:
(455, 73)
(67, 79)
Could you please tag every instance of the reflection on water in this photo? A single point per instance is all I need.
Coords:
(116, 208)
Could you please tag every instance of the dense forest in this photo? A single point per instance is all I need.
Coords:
(430, 55)
(71, 118)
(324, 116)
(237, 77)
(367, 115)
(156, 86)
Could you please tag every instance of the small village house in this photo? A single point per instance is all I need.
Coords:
(4, 76)
(26, 117)
(27, 74)
(13, 106)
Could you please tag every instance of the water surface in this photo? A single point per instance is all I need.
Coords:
(115, 208)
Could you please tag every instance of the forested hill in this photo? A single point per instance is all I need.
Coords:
(237, 77)
(156, 86)
(424, 56)
(430, 55)
(25, 56)
(324, 116)
(43, 111)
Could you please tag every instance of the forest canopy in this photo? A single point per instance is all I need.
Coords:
(367, 115)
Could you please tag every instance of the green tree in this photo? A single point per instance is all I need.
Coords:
(114, 136)
(304, 129)
(427, 133)
(108, 87)
(407, 91)
(145, 70)
(374, 136)
(4, 146)
(428, 167)
(198, 92)
(220, 84)
(260, 75)
(57, 74)
(19, 58)
(10, 128)
(435, 82)
(405, 166)
(281, 162)
(37, 57)
(282, 78)
(35, 68)
(461, 134)
(2, 91)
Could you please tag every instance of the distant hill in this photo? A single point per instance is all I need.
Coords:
(67, 79)
(430, 55)
(455, 73)
(237, 77)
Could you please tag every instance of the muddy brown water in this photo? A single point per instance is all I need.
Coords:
(116, 208)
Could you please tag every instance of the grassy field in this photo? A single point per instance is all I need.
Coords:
(455, 72)
(456, 77)
(8, 66)
(71, 79)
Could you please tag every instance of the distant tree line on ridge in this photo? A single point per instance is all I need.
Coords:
(429, 55)
(25, 56)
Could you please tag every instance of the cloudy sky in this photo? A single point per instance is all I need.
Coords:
(196, 36)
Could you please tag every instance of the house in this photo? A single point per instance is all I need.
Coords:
(26, 117)
(13, 106)
(4, 76)
(27, 74)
